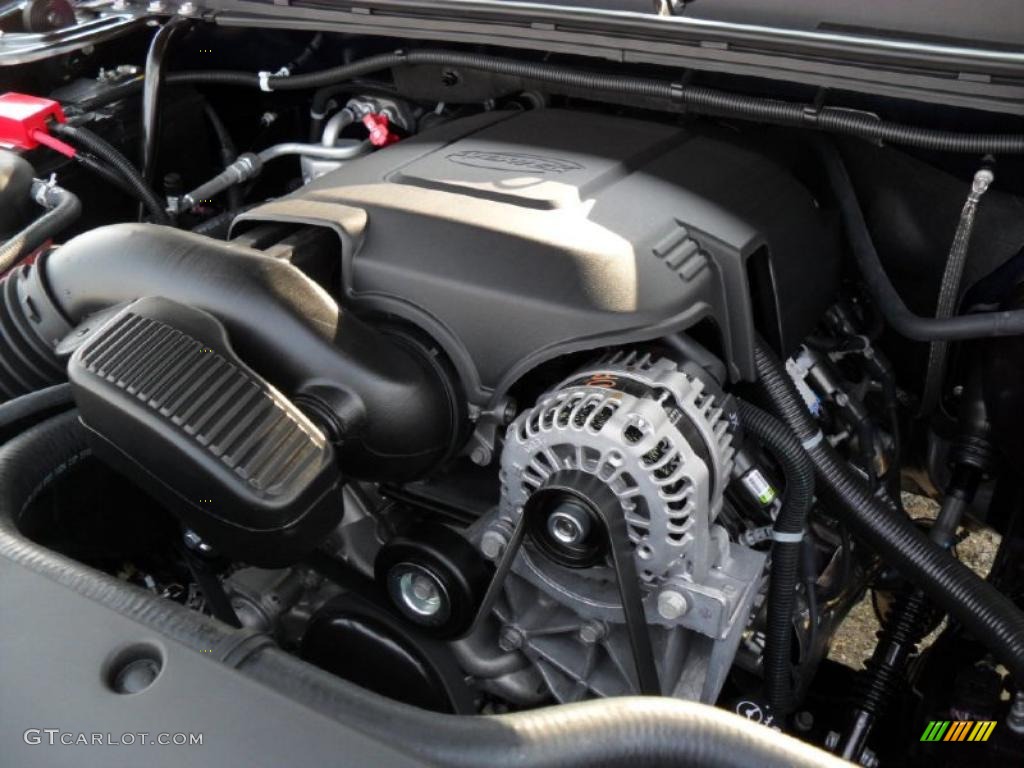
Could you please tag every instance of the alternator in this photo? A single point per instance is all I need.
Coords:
(641, 437)
(652, 435)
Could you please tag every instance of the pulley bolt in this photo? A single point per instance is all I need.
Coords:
(569, 524)
(420, 591)
(672, 604)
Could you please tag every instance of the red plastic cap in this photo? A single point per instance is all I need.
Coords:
(24, 119)
(380, 130)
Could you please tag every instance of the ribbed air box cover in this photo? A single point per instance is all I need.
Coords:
(169, 403)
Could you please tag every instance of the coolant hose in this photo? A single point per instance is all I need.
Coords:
(384, 399)
(62, 209)
(988, 614)
(896, 313)
(628, 732)
(787, 541)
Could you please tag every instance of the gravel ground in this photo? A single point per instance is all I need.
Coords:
(855, 640)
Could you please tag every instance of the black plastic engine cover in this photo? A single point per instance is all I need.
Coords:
(169, 404)
(514, 238)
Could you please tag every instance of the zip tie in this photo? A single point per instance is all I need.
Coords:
(787, 538)
(813, 441)
(264, 77)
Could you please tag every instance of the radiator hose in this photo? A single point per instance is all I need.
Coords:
(386, 401)
(629, 732)
(988, 614)
(787, 543)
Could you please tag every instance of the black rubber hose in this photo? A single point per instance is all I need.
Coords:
(988, 614)
(638, 732)
(228, 152)
(213, 77)
(386, 398)
(85, 139)
(14, 414)
(307, 54)
(155, 72)
(633, 732)
(27, 335)
(790, 524)
(896, 313)
(62, 209)
(217, 226)
(694, 98)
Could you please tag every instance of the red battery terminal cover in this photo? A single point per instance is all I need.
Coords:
(24, 122)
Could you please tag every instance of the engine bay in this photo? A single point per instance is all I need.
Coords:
(489, 383)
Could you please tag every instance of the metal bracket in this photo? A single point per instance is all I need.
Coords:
(626, 579)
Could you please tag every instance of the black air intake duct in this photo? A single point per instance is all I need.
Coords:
(384, 401)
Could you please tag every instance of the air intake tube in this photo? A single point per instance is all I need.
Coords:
(385, 402)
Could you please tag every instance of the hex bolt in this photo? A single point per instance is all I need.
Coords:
(510, 412)
(832, 741)
(195, 543)
(492, 544)
(803, 721)
(481, 456)
(672, 604)
(593, 632)
(510, 639)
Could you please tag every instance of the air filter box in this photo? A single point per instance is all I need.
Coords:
(169, 404)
